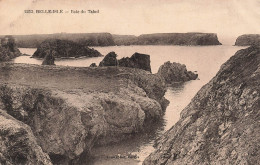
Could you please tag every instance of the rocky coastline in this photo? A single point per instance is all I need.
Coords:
(107, 39)
(221, 124)
(70, 110)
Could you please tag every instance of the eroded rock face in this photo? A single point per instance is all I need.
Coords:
(109, 60)
(175, 72)
(8, 49)
(221, 124)
(64, 49)
(248, 39)
(68, 123)
(18, 144)
(137, 60)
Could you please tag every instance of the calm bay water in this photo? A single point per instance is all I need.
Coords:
(205, 60)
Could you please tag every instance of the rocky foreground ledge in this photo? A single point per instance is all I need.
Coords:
(221, 125)
(70, 110)
(248, 39)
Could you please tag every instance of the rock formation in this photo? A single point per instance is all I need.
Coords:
(221, 124)
(137, 60)
(64, 49)
(109, 60)
(49, 59)
(8, 49)
(175, 72)
(248, 39)
(93, 65)
(80, 107)
(18, 144)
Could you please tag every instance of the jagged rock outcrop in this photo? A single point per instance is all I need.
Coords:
(8, 48)
(137, 60)
(168, 39)
(80, 107)
(248, 39)
(221, 124)
(49, 59)
(64, 49)
(18, 144)
(109, 60)
(175, 72)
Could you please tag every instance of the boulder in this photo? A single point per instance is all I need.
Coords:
(248, 39)
(137, 60)
(175, 72)
(221, 124)
(18, 144)
(93, 65)
(109, 60)
(49, 59)
(64, 49)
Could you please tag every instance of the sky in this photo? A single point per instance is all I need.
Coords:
(228, 18)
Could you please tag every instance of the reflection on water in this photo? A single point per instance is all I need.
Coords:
(205, 60)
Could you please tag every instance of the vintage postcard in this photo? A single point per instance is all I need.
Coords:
(129, 82)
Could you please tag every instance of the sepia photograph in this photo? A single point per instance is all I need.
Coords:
(129, 82)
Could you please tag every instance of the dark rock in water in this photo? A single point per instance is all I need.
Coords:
(221, 125)
(248, 39)
(8, 49)
(64, 49)
(93, 65)
(109, 60)
(18, 144)
(137, 60)
(175, 72)
(49, 59)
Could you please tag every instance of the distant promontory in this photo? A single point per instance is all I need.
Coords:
(107, 39)
(248, 39)
(64, 49)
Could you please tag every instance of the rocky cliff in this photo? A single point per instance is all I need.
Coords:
(221, 124)
(248, 39)
(8, 48)
(18, 144)
(64, 49)
(175, 72)
(86, 39)
(107, 39)
(169, 39)
(71, 110)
